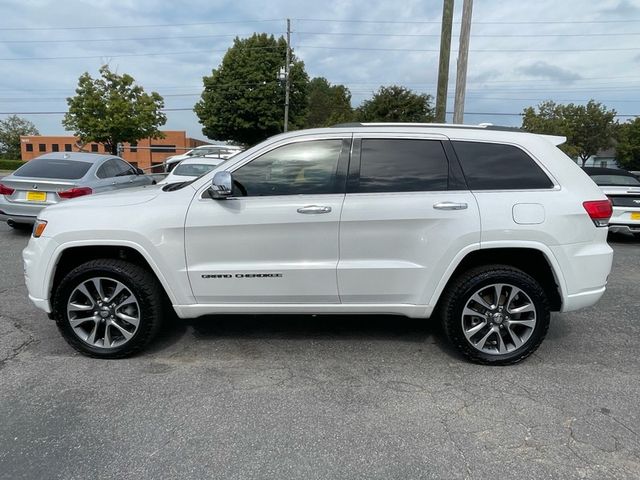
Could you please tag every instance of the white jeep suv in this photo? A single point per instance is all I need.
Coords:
(486, 228)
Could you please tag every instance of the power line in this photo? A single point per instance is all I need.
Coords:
(474, 35)
(166, 37)
(118, 55)
(517, 22)
(164, 25)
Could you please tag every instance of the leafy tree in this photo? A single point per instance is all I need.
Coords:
(588, 128)
(328, 104)
(10, 130)
(396, 104)
(243, 100)
(113, 109)
(628, 145)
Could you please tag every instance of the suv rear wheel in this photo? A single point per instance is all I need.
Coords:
(495, 315)
(108, 308)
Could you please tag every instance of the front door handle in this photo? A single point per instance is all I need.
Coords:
(314, 209)
(450, 206)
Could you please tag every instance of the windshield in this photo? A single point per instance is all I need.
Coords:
(53, 168)
(193, 169)
(612, 180)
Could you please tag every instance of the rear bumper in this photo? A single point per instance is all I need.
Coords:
(621, 220)
(629, 228)
(585, 268)
(17, 218)
(19, 211)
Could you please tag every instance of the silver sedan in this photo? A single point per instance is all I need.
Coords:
(55, 177)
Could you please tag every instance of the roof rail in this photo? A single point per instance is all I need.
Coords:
(484, 126)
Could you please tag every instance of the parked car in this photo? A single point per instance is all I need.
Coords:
(210, 151)
(54, 177)
(623, 189)
(191, 168)
(486, 229)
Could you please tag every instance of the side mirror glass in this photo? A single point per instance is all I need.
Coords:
(139, 171)
(221, 185)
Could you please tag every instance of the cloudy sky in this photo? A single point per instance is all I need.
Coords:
(521, 53)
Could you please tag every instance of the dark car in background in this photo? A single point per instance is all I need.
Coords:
(54, 177)
(623, 189)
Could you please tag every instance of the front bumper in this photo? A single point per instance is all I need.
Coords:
(37, 257)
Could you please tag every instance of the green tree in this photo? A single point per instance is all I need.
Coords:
(588, 128)
(328, 104)
(628, 145)
(10, 131)
(113, 109)
(243, 100)
(396, 104)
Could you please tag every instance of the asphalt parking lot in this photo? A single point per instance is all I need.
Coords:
(321, 397)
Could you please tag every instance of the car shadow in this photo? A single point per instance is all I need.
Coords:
(304, 328)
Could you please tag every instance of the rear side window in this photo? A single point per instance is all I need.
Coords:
(53, 168)
(399, 165)
(493, 166)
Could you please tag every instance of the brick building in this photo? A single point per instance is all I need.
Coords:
(144, 154)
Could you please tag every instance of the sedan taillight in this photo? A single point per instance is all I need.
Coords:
(4, 190)
(75, 192)
(599, 211)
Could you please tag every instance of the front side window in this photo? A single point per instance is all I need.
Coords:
(494, 166)
(309, 168)
(401, 165)
(108, 169)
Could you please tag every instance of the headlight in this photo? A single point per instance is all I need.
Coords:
(38, 228)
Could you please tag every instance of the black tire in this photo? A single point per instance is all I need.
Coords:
(460, 291)
(144, 286)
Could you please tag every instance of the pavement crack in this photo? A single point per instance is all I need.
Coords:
(16, 351)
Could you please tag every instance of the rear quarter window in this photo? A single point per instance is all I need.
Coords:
(495, 166)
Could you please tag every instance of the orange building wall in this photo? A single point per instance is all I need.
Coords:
(146, 153)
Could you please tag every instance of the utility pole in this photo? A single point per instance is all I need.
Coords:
(287, 73)
(443, 67)
(463, 56)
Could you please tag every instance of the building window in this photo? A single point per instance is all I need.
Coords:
(29, 147)
(67, 147)
(94, 147)
(42, 147)
(105, 149)
(163, 148)
(55, 147)
(133, 147)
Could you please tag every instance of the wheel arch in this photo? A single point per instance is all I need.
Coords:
(67, 257)
(531, 259)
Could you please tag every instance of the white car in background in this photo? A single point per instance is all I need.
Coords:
(209, 151)
(191, 168)
(623, 189)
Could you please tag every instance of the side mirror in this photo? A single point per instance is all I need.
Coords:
(221, 185)
(139, 171)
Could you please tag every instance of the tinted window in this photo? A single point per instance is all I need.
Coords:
(29, 147)
(108, 169)
(621, 180)
(123, 168)
(55, 147)
(492, 166)
(42, 147)
(299, 168)
(53, 168)
(67, 147)
(402, 166)
(94, 147)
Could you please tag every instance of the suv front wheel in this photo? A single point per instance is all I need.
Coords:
(495, 315)
(108, 308)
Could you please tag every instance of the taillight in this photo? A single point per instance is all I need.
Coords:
(600, 211)
(75, 192)
(4, 190)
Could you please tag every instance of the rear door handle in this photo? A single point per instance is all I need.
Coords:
(450, 206)
(314, 209)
